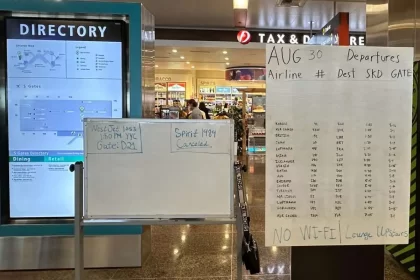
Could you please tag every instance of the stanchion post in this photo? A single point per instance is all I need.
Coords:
(239, 237)
(79, 263)
(239, 220)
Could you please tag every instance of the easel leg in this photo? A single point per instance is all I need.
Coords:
(78, 223)
(239, 237)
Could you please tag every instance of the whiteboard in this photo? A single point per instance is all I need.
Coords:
(338, 145)
(141, 168)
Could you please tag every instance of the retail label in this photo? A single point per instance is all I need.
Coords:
(180, 87)
(338, 145)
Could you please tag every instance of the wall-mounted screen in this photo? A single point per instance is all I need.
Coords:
(58, 73)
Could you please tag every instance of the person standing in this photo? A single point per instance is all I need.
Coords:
(195, 113)
(203, 108)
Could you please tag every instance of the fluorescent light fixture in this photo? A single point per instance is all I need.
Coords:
(224, 52)
(226, 58)
(188, 62)
(182, 57)
(193, 67)
(227, 63)
(174, 51)
(240, 4)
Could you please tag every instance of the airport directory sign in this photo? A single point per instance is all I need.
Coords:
(58, 73)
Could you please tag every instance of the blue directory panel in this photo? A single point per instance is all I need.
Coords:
(58, 73)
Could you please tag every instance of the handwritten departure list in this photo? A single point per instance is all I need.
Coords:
(338, 145)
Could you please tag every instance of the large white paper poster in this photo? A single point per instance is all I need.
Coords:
(338, 145)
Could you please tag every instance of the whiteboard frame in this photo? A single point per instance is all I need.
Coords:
(156, 216)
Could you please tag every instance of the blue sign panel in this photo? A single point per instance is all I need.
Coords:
(223, 90)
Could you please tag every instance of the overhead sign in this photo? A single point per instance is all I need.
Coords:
(70, 31)
(338, 153)
(263, 36)
(296, 38)
(62, 30)
(163, 79)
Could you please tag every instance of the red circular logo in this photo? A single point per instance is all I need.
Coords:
(244, 37)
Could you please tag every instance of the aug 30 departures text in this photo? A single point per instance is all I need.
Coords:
(361, 66)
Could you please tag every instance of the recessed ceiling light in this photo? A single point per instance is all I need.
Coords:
(182, 57)
(174, 51)
(156, 65)
(193, 67)
(188, 62)
(224, 52)
(226, 58)
(227, 63)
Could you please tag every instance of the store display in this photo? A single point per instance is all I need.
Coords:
(58, 73)
(161, 92)
(258, 103)
(256, 139)
(207, 89)
(169, 112)
(176, 94)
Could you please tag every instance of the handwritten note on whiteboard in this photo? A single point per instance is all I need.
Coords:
(200, 138)
(338, 145)
(114, 137)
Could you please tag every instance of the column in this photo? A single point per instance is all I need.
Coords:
(396, 23)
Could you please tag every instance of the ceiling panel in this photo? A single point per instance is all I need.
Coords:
(262, 14)
(205, 58)
(192, 13)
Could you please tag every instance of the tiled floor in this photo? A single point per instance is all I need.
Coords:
(204, 252)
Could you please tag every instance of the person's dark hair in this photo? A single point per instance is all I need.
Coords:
(202, 106)
(226, 105)
(192, 102)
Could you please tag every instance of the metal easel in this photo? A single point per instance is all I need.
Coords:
(241, 219)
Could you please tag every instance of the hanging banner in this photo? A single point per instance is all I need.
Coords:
(338, 145)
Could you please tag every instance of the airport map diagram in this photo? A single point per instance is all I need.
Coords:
(35, 58)
(45, 58)
(49, 62)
